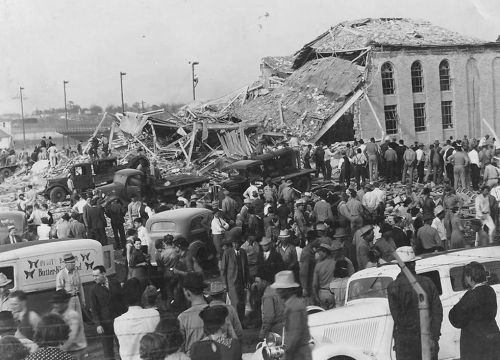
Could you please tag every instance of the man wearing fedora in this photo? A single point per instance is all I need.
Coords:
(323, 276)
(296, 329)
(364, 245)
(12, 237)
(270, 261)
(218, 294)
(76, 344)
(403, 304)
(234, 271)
(68, 278)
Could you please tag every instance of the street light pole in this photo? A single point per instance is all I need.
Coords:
(194, 78)
(121, 88)
(66, 112)
(22, 115)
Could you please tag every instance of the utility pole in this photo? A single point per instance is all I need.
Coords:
(121, 88)
(194, 78)
(22, 116)
(66, 113)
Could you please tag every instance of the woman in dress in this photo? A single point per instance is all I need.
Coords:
(457, 231)
(475, 315)
(50, 334)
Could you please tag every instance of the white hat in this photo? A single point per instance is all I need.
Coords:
(284, 280)
(406, 254)
(4, 280)
(438, 210)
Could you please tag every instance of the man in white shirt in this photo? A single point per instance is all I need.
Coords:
(328, 165)
(437, 223)
(420, 162)
(474, 167)
(134, 208)
(250, 190)
(79, 205)
(142, 233)
(135, 323)
(483, 211)
(219, 227)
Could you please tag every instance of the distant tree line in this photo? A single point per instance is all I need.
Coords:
(96, 109)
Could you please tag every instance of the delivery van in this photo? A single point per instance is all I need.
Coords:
(33, 266)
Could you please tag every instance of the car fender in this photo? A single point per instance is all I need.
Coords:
(330, 351)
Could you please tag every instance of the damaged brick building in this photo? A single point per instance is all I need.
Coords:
(420, 81)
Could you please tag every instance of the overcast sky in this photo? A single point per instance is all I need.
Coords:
(88, 43)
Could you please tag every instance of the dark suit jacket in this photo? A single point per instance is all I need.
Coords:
(95, 217)
(115, 212)
(268, 268)
(229, 267)
(6, 240)
(106, 305)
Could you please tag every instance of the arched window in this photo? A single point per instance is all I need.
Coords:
(444, 75)
(417, 77)
(387, 79)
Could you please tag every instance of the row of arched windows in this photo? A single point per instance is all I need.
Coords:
(417, 77)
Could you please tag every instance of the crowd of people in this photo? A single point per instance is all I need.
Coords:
(267, 257)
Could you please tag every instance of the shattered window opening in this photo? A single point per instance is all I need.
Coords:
(444, 75)
(419, 116)
(417, 77)
(388, 84)
(446, 114)
(391, 119)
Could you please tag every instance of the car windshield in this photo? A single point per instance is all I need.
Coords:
(163, 226)
(236, 173)
(372, 287)
(119, 179)
(492, 269)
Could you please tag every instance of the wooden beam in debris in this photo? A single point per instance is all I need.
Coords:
(193, 138)
(337, 115)
(95, 132)
(183, 150)
(154, 136)
(111, 133)
(224, 145)
(280, 110)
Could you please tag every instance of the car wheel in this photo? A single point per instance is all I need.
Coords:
(57, 194)
(303, 183)
(6, 173)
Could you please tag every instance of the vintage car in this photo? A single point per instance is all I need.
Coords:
(189, 223)
(362, 328)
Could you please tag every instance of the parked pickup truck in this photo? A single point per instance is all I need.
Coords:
(282, 163)
(87, 176)
(362, 328)
(128, 182)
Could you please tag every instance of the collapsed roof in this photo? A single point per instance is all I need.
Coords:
(308, 97)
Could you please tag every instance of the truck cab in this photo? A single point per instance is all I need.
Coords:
(128, 182)
(85, 176)
(284, 163)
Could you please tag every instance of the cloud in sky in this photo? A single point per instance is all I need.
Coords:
(88, 43)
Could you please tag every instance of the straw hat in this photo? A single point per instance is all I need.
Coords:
(438, 210)
(4, 280)
(69, 257)
(217, 287)
(284, 280)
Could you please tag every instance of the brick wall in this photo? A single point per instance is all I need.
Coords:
(466, 121)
